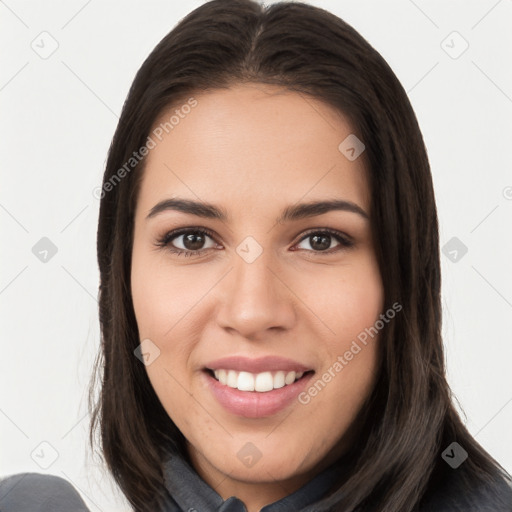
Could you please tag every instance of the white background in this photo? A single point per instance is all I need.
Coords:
(58, 117)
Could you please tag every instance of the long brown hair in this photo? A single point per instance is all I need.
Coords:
(409, 418)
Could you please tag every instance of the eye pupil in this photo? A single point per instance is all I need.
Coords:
(320, 242)
(193, 241)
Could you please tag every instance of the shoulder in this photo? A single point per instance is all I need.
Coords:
(37, 492)
(455, 490)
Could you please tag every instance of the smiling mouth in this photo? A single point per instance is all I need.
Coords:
(258, 382)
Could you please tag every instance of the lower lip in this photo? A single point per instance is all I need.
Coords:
(253, 404)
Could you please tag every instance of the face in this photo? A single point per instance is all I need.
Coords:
(251, 317)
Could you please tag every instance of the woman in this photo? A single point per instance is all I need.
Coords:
(270, 281)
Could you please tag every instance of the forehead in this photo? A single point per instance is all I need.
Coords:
(253, 144)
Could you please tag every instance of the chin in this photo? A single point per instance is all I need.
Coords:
(261, 461)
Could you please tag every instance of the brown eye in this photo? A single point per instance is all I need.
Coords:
(187, 242)
(322, 241)
(193, 241)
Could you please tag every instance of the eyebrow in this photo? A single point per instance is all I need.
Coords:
(290, 213)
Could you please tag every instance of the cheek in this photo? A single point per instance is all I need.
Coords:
(163, 296)
(350, 304)
(164, 299)
(169, 382)
(346, 300)
(359, 304)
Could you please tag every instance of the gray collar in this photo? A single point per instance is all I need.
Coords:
(191, 493)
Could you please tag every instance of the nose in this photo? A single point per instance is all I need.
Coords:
(255, 299)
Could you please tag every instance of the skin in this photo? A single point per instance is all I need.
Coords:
(254, 149)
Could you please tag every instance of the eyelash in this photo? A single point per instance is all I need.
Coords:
(164, 242)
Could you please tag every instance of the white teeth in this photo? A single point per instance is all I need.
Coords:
(290, 377)
(264, 382)
(278, 380)
(261, 382)
(245, 381)
(232, 379)
(222, 376)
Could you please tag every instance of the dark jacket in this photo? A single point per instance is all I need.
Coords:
(34, 492)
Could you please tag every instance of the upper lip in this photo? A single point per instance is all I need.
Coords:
(256, 365)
